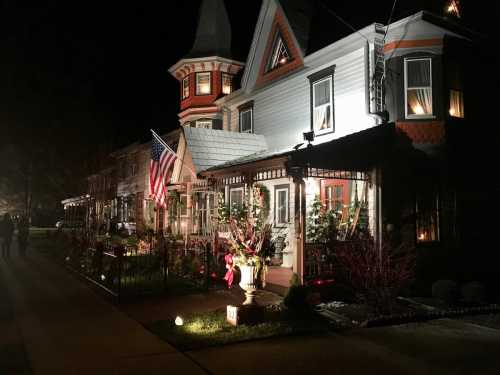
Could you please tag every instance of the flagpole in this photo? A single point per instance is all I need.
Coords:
(168, 147)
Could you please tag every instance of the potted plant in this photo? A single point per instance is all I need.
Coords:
(249, 245)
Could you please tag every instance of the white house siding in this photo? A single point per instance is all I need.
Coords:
(282, 109)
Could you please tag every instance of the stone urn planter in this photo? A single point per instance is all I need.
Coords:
(248, 284)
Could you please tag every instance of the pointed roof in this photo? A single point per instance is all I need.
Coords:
(213, 36)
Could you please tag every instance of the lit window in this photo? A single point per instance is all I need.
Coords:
(185, 88)
(418, 87)
(246, 118)
(281, 204)
(334, 197)
(227, 83)
(280, 54)
(204, 124)
(427, 217)
(322, 106)
(456, 104)
(203, 84)
(236, 197)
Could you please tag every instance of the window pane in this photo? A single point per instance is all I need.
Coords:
(418, 73)
(322, 93)
(226, 83)
(246, 120)
(456, 104)
(185, 88)
(280, 54)
(427, 217)
(322, 118)
(202, 83)
(282, 205)
(419, 101)
(236, 197)
(204, 124)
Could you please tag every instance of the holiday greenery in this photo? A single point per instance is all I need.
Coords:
(322, 225)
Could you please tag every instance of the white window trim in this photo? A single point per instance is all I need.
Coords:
(198, 74)
(413, 116)
(287, 214)
(242, 195)
(330, 103)
(250, 109)
(199, 122)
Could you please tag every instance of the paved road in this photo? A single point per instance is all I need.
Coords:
(51, 323)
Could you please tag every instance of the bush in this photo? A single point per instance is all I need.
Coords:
(445, 290)
(473, 293)
(297, 297)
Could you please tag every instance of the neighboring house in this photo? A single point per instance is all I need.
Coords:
(361, 122)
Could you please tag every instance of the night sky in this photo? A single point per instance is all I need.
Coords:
(83, 78)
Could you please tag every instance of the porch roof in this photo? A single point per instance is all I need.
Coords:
(357, 152)
(209, 147)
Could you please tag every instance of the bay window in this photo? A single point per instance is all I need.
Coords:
(418, 88)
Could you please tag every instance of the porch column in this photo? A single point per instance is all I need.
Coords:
(189, 208)
(299, 221)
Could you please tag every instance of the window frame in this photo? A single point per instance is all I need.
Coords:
(270, 67)
(203, 121)
(461, 93)
(236, 188)
(435, 211)
(198, 74)
(230, 77)
(315, 78)
(247, 107)
(277, 190)
(406, 88)
(184, 96)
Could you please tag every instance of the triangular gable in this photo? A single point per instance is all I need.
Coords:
(272, 23)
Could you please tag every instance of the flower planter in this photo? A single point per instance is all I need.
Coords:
(248, 284)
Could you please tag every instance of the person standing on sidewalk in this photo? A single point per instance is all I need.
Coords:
(23, 230)
(6, 233)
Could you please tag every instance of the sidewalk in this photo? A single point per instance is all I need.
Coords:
(68, 329)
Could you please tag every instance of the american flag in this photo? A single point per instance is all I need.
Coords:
(160, 169)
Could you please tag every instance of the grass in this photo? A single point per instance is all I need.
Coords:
(211, 328)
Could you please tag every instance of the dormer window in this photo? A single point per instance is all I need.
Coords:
(418, 88)
(227, 83)
(203, 83)
(280, 55)
(185, 88)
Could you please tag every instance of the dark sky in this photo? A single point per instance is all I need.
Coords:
(82, 67)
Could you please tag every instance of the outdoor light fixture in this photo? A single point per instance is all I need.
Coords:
(103, 277)
(67, 259)
(179, 321)
(309, 137)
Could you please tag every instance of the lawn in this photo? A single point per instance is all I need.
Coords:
(211, 329)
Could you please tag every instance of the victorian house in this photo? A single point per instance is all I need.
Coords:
(360, 123)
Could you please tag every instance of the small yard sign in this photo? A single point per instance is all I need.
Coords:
(232, 315)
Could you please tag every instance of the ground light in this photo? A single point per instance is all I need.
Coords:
(179, 321)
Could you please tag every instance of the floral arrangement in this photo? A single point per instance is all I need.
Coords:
(249, 244)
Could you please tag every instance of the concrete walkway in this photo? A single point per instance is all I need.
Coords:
(51, 323)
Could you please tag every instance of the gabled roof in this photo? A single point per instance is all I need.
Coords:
(210, 147)
(213, 36)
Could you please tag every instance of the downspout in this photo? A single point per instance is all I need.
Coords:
(378, 118)
(377, 172)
